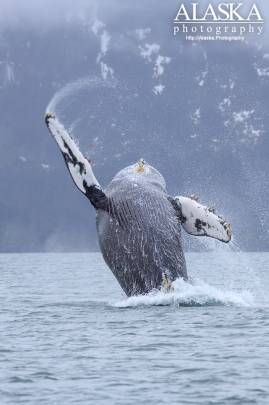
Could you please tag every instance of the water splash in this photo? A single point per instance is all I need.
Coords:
(73, 89)
(198, 293)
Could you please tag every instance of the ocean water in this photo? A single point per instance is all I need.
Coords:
(68, 335)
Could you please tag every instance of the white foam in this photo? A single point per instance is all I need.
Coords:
(198, 293)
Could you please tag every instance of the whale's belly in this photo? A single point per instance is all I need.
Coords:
(140, 240)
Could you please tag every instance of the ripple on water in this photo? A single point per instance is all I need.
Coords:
(69, 335)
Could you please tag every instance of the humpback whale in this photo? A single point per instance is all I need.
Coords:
(138, 223)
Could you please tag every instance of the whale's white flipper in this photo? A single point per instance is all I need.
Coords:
(78, 166)
(199, 220)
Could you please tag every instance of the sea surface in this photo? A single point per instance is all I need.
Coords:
(68, 334)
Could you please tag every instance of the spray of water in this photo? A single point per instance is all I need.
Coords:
(197, 293)
(238, 282)
(67, 94)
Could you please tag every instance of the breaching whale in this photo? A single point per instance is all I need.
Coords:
(138, 222)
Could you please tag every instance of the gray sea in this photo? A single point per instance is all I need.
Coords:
(68, 334)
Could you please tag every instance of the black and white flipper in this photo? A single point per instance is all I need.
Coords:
(199, 220)
(79, 167)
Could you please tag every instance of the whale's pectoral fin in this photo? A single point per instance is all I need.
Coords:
(199, 220)
(78, 166)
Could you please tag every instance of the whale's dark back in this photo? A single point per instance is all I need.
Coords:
(140, 236)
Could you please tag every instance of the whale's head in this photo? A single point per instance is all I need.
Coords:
(142, 173)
